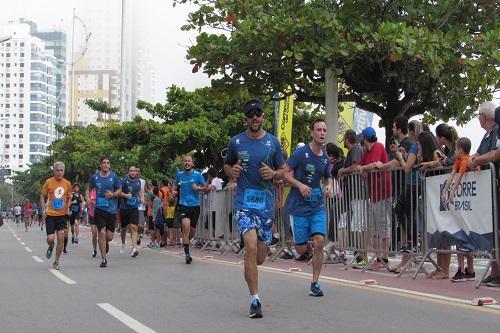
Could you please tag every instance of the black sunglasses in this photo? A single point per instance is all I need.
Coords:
(254, 112)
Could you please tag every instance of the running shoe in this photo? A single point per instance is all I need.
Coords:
(135, 253)
(287, 256)
(315, 290)
(56, 265)
(495, 282)
(72, 240)
(122, 248)
(487, 279)
(150, 245)
(64, 251)
(470, 276)
(459, 277)
(306, 256)
(94, 254)
(48, 254)
(406, 248)
(104, 263)
(255, 309)
(189, 259)
(76, 240)
(274, 240)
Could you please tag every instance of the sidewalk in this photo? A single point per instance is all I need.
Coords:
(462, 292)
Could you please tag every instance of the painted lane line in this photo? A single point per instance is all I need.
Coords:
(23, 244)
(28, 249)
(125, 319)
(62, 277)
(37, 259)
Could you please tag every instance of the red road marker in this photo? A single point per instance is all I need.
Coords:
(480, 301)
(368, 282)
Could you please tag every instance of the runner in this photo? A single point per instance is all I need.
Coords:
(17, 214)
(189, 182)
(27, 209)
(129, 208)
(108, 191)
(306, 168)
(54, 199)
(254, 158)
(91, 199)
(75, 210)
(142, 207)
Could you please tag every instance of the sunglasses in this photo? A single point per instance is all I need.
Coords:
(254, 112)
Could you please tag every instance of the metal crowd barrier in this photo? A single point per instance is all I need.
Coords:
(374, 216)
(493, 189)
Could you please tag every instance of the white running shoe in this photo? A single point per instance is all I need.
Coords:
(122, 249)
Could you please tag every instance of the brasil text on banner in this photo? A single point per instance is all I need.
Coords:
(469, 220)
(285, 118)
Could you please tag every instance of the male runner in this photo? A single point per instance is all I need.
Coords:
(190, 182)
(75, 210)
(54, 198)
(254, 158)
(129, 208)
(306, 168)
(108, 190)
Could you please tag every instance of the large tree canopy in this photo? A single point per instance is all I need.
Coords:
(200, 122)
(433, 58)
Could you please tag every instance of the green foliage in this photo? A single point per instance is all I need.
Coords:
(101, 106)
(433, 58)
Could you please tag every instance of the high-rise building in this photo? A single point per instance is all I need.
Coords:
(103, 20)
(28, 97)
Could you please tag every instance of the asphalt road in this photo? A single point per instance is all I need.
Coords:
(158, 292)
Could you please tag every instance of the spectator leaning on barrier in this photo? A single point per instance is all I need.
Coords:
(459, 168)
(486, 153)
(380, 196)
(400, 136)
(358, 218)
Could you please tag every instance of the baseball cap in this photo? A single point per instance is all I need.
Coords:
(253, 104)
(368, 133)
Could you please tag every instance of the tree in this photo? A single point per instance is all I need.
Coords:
(433, 58)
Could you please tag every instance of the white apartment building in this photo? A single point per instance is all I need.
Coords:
(27, 97)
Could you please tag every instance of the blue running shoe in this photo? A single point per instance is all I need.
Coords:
(255, 309)
(316, 290)
(48, 254)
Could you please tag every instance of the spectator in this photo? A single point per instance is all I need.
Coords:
(379, 190)
(459, 168)
(355, 199)
(486, 153)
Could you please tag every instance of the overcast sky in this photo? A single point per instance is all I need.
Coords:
(168, 43)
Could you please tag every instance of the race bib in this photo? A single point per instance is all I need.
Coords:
(102, 202)
(316, 194)
(254, 199)
(57, 203)
(132, 201)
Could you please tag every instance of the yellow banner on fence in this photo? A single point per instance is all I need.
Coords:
(346, 119)
(285, 117)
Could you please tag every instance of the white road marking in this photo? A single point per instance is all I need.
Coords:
(23, 244)
(62, 277)
(37, 259)
(125, 319)
(28, 249)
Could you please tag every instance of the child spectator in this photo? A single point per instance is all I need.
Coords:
(460, 166)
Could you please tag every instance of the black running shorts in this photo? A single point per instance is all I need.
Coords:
(104, 219)
(191, 213)
(53, 223)
(129, 216)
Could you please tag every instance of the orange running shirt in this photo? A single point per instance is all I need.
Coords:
(59, 194)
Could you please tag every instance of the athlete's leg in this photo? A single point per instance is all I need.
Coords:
(60, 240)
(317, 261)
(93, 229)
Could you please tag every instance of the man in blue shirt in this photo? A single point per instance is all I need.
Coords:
(189, 182)
(108, 190)
(129, 208)
(254, 158)
(305, 169)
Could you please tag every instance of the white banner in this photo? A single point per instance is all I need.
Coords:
(470, 217)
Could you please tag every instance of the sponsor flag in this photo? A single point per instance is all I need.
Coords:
(285, 117)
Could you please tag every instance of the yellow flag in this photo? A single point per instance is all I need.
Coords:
(285, 117)
(346, 119)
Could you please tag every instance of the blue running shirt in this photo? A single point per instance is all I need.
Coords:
(110, 183)
(130, 186)
(308, 168)
(253, 192)
(185, 181)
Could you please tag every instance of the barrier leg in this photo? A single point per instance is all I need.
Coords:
(424, 260)
(483, 275)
